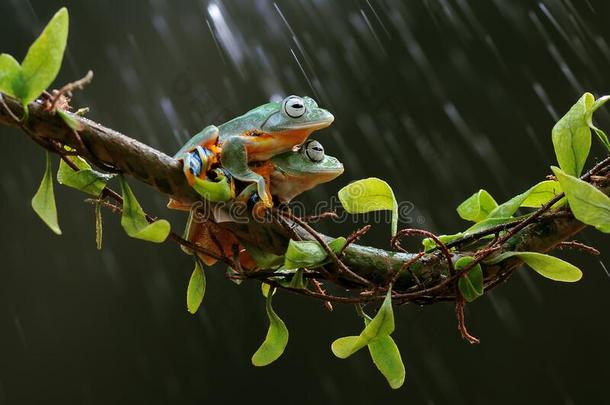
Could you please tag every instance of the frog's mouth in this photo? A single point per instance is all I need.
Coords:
(322, 120)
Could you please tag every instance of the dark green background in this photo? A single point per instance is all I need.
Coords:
(438, 97)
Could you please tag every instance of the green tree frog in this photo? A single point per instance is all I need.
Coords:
(258, 135)
(289, 175)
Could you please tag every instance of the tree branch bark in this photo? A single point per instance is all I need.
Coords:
(107, 148)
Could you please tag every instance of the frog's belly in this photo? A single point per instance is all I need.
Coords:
(265, 146)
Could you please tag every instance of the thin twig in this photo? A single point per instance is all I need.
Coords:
(459, 313)
(68, 88)
(578, 246)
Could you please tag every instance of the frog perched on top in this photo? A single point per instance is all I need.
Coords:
(258, 135)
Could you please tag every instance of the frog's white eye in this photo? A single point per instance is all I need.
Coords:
(294, 106)
(314, 151)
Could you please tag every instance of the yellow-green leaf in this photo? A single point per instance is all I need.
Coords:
(600, 134)
(214, 191)
(542, 193)
(547, 266)
(309, 253)
(572, 136)
(43, 60)
(477, 207)
(368, 195)
(10, 75)
(70, 120)
(43, 201)
(387, 359)
(196, 289)
(85, 179)
(275, 341)
(470, 283)
(382, 324)
(134, 220)
(588, 204)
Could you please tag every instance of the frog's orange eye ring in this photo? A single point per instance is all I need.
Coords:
(294, 106)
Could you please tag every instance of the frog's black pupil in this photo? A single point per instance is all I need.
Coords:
(297, 106)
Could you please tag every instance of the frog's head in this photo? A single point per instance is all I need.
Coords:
(296, 113)
(300, 170)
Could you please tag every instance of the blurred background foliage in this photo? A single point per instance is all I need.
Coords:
(437, 97)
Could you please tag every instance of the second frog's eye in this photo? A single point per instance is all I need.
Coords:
(294, 106)
(314, 151)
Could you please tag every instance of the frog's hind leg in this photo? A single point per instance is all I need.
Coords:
(234, 158)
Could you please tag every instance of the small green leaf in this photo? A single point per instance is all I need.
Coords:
(275, 341)
(70, 120)
(98, 225)
(10, 75)
(297, 280)
(387, 359)
(470, 283)
(600, 134)
(486, 224)
(542, 193)
(381, 325)
(214, 191)
(368, 195)
(196, 289)
(265, 288)
(429, 244)
(43, 201)
(477, 207)
(86, 179)
(588, 204)
(43, 60)
(309, 253)
(547, 266)
(572, 136)
(134, 220)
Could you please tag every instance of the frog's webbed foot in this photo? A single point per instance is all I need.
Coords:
(234, 158)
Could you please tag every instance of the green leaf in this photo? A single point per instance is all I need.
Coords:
(70, 120)
(588, 204)
(477, 207)
(486, 224)
(572, 136)
(214, 191)
(86, 179)
(470, 283)
(10, 74)
(542, 193)
(297, 280)
(309, 253)
(275, 341)
(196, 289)
(547, 266)
(98, 225)
(429, 244)
(43, 60)
(600, 134)
(387, 359)
(381, 325)
(368, 195)
(134, 220)
(43, 201)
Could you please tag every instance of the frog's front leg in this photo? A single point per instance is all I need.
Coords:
(234, 158)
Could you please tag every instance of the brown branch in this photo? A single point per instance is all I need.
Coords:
(430, 277)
